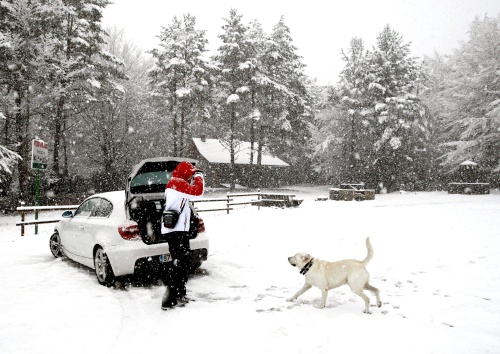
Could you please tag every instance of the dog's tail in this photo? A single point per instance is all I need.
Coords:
(370, 252)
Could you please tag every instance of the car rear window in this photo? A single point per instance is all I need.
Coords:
(152, 177)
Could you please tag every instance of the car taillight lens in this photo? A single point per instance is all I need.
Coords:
(201, 225)
(129, 231)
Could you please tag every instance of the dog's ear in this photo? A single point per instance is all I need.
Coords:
(306, 257)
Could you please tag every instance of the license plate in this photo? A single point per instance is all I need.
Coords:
(164, 258)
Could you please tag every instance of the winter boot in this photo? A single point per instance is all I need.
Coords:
(169, 299)
(184, 299)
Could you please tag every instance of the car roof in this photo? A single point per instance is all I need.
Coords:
(117, 198)
(113, 196)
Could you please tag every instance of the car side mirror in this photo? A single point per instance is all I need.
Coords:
(67, 214)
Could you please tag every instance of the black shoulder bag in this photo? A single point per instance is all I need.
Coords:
(170, 217)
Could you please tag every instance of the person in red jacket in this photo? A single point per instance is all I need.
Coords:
(186, 184)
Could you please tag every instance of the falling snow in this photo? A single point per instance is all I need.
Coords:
(435, 263)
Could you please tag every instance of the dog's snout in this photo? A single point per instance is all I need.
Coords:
(291, 261)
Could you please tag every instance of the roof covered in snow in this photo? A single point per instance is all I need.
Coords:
(214, 151)
(468, 163)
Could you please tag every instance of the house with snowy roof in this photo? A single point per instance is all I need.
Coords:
(214, 158)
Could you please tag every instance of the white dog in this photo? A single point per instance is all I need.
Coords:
(329, 275)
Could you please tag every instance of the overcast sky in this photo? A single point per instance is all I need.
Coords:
(320, 29)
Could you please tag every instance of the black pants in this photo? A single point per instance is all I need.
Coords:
(178, 243)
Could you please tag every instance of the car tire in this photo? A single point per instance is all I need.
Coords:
(103, 270)
(55, 245)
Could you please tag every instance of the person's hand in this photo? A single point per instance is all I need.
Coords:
(198, 173)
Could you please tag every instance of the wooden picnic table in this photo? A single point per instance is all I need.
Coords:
(351, 194)
(283, 200)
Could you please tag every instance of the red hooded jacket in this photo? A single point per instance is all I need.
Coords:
(179, 190)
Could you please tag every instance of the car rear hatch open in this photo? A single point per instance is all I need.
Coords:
(145, 192)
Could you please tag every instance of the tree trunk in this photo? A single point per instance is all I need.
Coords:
(57, 135)
(6, 131)
(182, 130)
(107, 154)
(352, 155)
(231, 151)
(22, 130)
(59, 121)
(252, 130)
(65, 149)
(175, 128)
(252, 141)
(175, 125)
(251, 180)
(259, 155)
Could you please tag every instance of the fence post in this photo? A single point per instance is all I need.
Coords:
(37, 196)
(227, 205)
(22, 219)
(258, 199)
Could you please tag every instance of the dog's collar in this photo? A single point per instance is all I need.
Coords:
(306, 268)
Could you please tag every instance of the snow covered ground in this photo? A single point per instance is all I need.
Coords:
(436, 263)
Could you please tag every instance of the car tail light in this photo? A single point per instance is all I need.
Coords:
(129, 231)
(201, 225)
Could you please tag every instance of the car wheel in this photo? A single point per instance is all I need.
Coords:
(103, 270)
(55, 245)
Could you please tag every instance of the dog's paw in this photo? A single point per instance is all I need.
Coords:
(367, 312)
(290, 299)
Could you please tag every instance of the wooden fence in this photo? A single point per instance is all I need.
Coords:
(35, 222)
(229, 201)
(263, 199)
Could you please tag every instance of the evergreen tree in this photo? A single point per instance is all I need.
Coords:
(180, 79)
(251, 115)
(284, 100)
(118, 128)
(437, 71)
(78, 61)
(139, 121)
(258, 38)
(354, 99)
(327, 157)
(7, 160)
(25, 38)
(235, 61)
(469, 94)
(381, 92)
(103, 124)
(402, 123)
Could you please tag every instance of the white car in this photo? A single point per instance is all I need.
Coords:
(118, 233)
